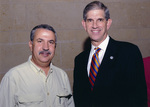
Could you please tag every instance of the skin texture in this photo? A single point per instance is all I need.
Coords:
(96, 26)
(43, 48)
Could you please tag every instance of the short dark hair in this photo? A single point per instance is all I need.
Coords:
(43, 26)
(95, 5)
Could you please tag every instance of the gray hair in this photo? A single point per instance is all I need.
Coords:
(43, 26)
(96, 5)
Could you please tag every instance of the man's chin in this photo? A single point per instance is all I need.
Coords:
(46, 59)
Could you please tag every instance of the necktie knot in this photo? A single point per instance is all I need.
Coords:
(97, 50)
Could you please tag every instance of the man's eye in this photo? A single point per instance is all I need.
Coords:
(101, 20)
(39, 41)
(89, 20)
(51, 42)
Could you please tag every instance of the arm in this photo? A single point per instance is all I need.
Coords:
(76, 83)
(81, 86)
(136, 79)
(7, 89)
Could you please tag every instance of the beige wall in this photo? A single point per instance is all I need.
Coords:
(131, 22)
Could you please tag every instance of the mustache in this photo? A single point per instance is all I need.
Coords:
(45, 52)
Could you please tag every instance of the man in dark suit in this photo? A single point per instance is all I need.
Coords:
(120, 80)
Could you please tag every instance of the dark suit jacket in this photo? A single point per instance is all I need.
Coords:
(120, 81)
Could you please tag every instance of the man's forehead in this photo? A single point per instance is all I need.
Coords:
(95, 14)
(44, 33)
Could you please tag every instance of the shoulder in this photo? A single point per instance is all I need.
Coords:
(14, 73)
(125, 49)
(83, 54)
(122, 45)
(16, 70)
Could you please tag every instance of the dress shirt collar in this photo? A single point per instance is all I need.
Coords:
(102, 46)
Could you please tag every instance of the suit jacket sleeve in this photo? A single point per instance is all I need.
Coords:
(136, 79)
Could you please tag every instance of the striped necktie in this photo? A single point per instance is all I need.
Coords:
(95, 64)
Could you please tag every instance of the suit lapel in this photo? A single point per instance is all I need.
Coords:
(86, 57)
(84, 74)
(110, 54)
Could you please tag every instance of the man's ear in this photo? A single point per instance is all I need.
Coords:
(83, 24)
(109, 22)
(30, 45)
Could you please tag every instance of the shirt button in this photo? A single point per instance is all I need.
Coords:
(48, 93)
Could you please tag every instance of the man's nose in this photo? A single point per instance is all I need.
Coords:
(45, 46)
(95, 24)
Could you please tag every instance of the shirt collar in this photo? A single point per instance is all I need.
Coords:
(37, 69)
(103, 45)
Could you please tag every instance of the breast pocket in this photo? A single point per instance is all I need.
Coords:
(62, 99)
(29, 100)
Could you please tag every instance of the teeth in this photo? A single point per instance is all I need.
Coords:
(95, 31)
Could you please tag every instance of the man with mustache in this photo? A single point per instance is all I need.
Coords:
(110, 73)
(37, 82)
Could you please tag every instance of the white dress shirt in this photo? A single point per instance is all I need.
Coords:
(103, 47)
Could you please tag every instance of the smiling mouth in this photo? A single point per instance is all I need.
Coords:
(96, 30)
